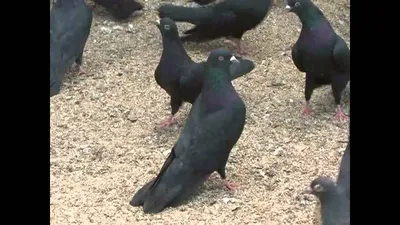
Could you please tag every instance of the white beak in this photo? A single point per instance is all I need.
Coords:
(158, 22)
(288, 7)
(234, 59)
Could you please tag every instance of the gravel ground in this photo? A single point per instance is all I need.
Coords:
(105, 140)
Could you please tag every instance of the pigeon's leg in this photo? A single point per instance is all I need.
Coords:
(231, 186)
(338, 84)
(176, 103)
(309, 88)
(79, 62)
(238, 43)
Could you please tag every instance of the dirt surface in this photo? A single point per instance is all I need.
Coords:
(105, 140)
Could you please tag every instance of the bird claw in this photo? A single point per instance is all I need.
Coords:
(306, 112)
(81, 70)
(168, 122)
(340, 115)
(229, 185)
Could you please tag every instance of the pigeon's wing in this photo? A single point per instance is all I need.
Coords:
(297, 58)
(341, 55)
(239, 69)
(216, 14)
(191, 81)
(343, 180)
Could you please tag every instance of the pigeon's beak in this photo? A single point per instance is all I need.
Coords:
(288, 8)
(157, 23)
(234, 59)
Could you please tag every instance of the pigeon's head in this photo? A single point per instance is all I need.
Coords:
(221, 58)
(322, 187)
(297, 5)
(167, 26)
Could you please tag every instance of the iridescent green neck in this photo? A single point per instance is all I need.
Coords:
(310, 16)
(215, 78)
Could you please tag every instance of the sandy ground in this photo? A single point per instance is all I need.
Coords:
(105, 140)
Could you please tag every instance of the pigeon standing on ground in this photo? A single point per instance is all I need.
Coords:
(70, 22)
(334, 198)
(178, 74)
(214, 125)
(230, 18)
(120, 9)
(319, 52)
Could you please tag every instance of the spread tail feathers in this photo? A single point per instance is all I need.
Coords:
(185, 14)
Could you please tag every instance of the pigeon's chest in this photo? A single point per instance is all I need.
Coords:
(315, 47)
(168, 71)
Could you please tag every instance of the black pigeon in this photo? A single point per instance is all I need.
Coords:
(335, 198)
(70, 22)
(178, 74)
(120, 9)
(230, 18)
(213, 127)
(319, 52)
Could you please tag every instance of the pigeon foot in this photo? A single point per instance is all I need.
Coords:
(168, 122)
(340, 114)
(307, 110)
(231, 186)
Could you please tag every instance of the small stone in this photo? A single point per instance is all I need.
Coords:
(117, 27)
(105, 30)
(131, 117)
(232, 200)
(278, 151)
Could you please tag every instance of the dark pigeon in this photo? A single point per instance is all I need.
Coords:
(213, 127)
(320, 53)
(335, 198)
(70, 22)
(179, 75)
(230, 18)
(120, 9)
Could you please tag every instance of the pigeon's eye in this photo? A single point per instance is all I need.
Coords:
(220, 58)
(166, 27)
(296, 4)
(318, 188)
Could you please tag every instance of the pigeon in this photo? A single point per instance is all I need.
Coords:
(334, 198)
(320, 53)
(178, 74)
(214, 125)
(229, 18)
(120, 9)
(70, 23)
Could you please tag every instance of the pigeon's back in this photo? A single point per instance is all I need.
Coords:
(70, 23)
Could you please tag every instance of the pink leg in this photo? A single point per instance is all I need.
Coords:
(339, 114)
(307, 110)
(81, 70)
(168, 122)
(231, 186)
(239, 45)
